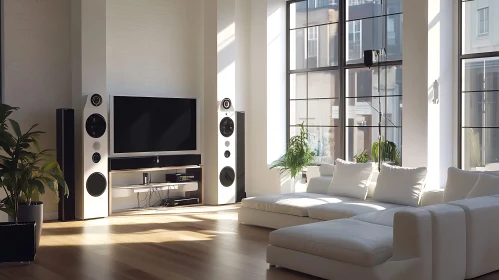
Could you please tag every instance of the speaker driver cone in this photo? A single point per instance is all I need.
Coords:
(95, 125)
(227, 127)
(96, 184)
(227, 176)
(96, 100)
(226, 103)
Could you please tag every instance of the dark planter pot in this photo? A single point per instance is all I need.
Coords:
(18, 242)
(32, 213)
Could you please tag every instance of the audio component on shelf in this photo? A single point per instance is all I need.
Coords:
(179, 177)
(92, 193)
(178, 201)
(65, 151)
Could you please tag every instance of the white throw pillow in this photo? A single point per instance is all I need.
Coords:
(400, 185)
(461, 182)
(351, 179)
(486, 185)
(326, 169)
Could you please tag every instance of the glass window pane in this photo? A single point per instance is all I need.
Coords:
(323, 84)
(298, 86)
(477, 32)
(297, 112)
(481, 109)
(363, 82)
(322, 46)
(325, 143)
(481, 74)
(322, 11)
(320, 112)
(480, 148)
(298, 14)
(362, 138)
(297, 49)
(365, 111)
(374, 34)
(357, 9)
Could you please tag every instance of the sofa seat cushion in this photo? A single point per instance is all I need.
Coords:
(343, 240)
(384, 218)
(332, 211)
(296, 204)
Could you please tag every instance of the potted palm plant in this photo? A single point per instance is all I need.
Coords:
(25, 172)
(298, 155)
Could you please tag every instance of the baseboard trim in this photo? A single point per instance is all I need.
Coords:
(51, 216)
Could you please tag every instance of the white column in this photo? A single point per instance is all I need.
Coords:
(415, 83)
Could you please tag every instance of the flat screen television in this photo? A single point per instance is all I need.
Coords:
(150, 124)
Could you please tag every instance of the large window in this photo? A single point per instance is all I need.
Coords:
(330, 90)
(478, 87)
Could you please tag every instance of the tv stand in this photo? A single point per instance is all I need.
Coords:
(191, 163)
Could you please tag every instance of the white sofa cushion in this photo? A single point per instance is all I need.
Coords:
(319, 184)
(332, 211)
(351, 179)
(326, 169)
(345, 240)
(384, 218)
(292, 204)
(400, 185)
(461, 182)
(486, 185)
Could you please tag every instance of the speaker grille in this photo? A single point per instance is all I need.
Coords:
(96, 184)
(227, 176)
(95, 125)
(227, 127)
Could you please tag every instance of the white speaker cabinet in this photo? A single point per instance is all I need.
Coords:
(93, 192)
(227, 153)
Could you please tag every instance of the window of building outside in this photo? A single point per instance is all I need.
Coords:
(330, 90)
(478, 87)
(483, 21)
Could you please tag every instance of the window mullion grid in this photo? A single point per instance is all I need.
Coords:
(342, 75)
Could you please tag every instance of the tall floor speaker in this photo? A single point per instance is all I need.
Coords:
(240, 157)
(92, 192)
(65, 150)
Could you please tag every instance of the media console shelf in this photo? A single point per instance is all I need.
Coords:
(159, 163)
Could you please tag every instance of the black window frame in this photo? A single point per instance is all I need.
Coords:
(461, 58)
(342, 68)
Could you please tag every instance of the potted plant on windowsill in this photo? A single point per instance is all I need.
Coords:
(25, 172)
(298, 155)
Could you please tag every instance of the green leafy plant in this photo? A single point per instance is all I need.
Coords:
(389, 152)
(298, 155)
(25, 171)
(362, 157)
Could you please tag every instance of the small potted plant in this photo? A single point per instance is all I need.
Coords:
(25, 172)
(298, 155)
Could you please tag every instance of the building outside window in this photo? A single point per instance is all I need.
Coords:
(483, 21)
(330, 90)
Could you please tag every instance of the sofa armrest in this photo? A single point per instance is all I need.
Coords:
(432, 197)
(482, 231)
(319, 184)
(412, 235)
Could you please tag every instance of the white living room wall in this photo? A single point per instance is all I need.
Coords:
(154, 48)
(37, 68)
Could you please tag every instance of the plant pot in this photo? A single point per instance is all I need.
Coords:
(17, 242)
(31, 213)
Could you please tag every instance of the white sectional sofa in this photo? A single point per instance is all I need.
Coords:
(336, 237)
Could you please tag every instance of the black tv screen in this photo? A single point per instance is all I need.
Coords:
(146, 124)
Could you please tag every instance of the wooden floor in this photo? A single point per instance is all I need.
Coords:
(184, 243)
